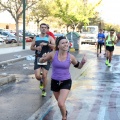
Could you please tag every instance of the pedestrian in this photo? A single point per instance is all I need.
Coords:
(61, 79)
(100, 43)
(118, 39)
(42, 44)
(49, 32)
(110, 41)
(106, 34)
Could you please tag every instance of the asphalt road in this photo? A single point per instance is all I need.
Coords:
(21, 99)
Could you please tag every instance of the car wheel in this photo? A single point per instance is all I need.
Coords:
(13, 41)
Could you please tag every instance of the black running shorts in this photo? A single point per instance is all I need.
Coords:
(110, 48)
(56, 86)
(99, 45)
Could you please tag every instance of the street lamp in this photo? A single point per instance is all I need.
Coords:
(24, 6)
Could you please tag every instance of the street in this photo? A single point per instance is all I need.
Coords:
(95, 93)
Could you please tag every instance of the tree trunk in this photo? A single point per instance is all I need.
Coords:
(17, 32)
(67, 28)
(38, 26)
(75, 27)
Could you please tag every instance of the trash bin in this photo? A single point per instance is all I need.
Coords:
(74, 39)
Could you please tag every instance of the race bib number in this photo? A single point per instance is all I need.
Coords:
(100, 38)
(38, 63)
(110, 42)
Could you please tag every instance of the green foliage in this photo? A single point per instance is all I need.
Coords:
(112, 26)
(63, 11)
(74, 12)
(39, 11)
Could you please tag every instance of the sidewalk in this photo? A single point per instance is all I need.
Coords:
(14, 52)
(13, 49)
(10, 55)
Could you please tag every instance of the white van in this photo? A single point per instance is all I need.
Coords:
(89, 34)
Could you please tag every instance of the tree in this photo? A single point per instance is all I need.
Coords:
(63, 11)
(87, 11)
(14, 7)
(39, 12)
(73, 13)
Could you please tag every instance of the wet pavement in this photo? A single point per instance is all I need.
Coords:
(95, 93)
(94, 96)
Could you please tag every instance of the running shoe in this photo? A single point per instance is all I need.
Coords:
(44, 93)
(106, 62)
(109, 65)
(41, 85)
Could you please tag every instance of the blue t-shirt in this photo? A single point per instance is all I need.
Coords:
(101, 37)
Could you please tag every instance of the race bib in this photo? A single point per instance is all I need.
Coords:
(38, 63)
(100, 38)
(110, 42)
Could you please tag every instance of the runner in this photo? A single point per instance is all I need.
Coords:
(50, 33)
(118, 39)
(61, 79)
(42, 44)
(110, 41)
(106, 34)
(100, 43)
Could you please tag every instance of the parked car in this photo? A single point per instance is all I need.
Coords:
(1, 30)
(58, 35)
(28, 39)
(2, 41)
(30, 35)
(3, 37)
(10, 38)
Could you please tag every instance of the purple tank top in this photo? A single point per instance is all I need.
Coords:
(60, 69)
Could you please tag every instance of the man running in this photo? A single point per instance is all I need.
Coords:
(50, 33)
(100, 43)
(42, 44)
(110, 41)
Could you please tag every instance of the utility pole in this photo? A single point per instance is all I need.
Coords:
(24, 6)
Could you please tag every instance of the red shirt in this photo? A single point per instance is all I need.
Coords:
(51, 34)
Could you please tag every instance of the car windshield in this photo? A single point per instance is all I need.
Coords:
(58, 35)
(12, 35)
(88, 30)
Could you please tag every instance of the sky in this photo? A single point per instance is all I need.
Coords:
(109, 11)
(5, 17)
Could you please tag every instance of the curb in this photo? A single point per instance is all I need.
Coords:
(13, 60)
(8, 79)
